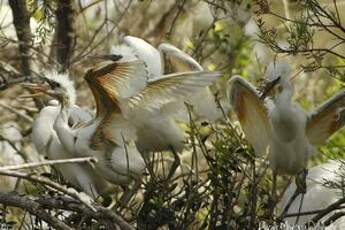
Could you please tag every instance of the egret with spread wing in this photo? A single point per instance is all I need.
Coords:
(124, 101)
(157, 129)
(48, 144)
(279, 126)
(108, 136)
(169, 59)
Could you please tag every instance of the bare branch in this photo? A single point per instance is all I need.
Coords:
(22, 115)
(49, 183)
(61, 202)
(34, 208)
(50, 162)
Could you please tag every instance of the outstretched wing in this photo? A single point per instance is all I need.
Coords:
(115, 80)
(175, 60)
(170, 88)
(146, 53)
(110, 83)
(251, 113)
(326, 120)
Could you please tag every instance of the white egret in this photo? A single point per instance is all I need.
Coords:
(157, 129)
(317, 197)
(169, 59)
(124, 99)
(280, 126)
(47, 143)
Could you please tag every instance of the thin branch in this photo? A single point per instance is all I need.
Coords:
(50, 184)
(34, 208)
(327, 210)
(61, 202)
(50, 162)
(22, 115)
(13, 145)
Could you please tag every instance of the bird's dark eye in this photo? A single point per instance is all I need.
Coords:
(54, 84)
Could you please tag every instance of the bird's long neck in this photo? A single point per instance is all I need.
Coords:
(283, 117)
(62, 129)
(283, 100)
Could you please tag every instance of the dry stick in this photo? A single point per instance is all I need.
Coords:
(22, 115)
(309, 213)
(13, 145)
(49, 183)
(327, 210)
(34, 208)
(64, 203)
(50, 162)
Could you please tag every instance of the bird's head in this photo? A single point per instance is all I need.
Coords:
(57, 86)
(277, 80)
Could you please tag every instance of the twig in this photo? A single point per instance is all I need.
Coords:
(50, 162)
(64, 203)
(34, 208)
(327, 210)
(43, 180)
(334, 218)
(22, 115)
(13, 145)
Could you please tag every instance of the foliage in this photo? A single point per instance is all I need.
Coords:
(220, 184)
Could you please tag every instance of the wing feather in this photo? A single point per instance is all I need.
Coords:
(175, 60)
(326, 120)
(110, 83)
(113, 81)
(147, 53)
(251, 112)
(172, 87)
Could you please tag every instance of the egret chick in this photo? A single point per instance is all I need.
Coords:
(47, 143)
(279, 126)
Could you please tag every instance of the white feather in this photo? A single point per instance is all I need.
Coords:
(65, 82)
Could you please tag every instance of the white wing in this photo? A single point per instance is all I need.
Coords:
(146, 53)
(175, 60)
(251, 113)
(326, 120)
(170, 88)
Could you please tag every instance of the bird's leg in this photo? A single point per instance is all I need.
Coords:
(175, 165)
(301, 181)
(299, 209)
(127, 195)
